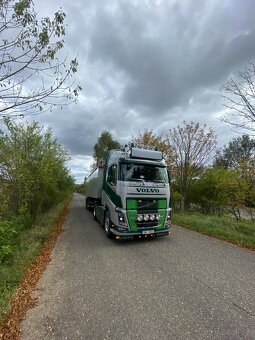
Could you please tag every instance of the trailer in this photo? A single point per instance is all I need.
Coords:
(130, 194)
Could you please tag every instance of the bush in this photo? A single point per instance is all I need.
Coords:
(7, 236)
(218, 190)
(33, 175)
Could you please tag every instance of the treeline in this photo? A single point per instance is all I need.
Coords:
(33, 178)
(228, 185)
(203, 177)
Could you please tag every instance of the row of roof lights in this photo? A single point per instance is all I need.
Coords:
(148, 217)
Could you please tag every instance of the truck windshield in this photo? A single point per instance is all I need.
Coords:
(143, 173)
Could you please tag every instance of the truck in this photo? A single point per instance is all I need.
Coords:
(130, 194)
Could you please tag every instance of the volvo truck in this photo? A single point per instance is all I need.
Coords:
(130, 194)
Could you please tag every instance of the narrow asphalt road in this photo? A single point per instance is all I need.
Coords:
(182, 286)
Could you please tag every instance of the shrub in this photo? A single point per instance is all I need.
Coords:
(7, 236)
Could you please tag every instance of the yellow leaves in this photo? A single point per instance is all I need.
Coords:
(150, 140)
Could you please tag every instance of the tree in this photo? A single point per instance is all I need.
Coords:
(239, 155)
(104, 143)
(192, 146)
(246, 170)
(33, 76)
(149, 140)
(219, 190)
(33, 176)
(239, 99)
(238, 150)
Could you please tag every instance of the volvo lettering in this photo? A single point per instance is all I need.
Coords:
(147, 190)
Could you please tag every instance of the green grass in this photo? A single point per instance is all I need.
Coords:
(225, 228)
(27, 245)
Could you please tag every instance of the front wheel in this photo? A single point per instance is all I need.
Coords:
(94, 213)
(88, 203)
(107, 223)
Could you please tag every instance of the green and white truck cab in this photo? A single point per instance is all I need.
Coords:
(130, 195)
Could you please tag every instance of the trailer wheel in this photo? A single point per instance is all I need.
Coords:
(107, 223)
(87, 203)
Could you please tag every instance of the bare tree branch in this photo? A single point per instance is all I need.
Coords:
(239, 99)
(32, 77)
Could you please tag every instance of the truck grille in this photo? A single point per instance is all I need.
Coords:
(145, 204)
(147, 224)
(136, 206)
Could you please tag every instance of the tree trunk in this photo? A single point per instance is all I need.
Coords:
(182, 203)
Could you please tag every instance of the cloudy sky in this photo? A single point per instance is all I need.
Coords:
(148, 64)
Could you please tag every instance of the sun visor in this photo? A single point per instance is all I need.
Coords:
(146, 154)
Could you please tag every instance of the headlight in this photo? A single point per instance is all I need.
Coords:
(122, 219)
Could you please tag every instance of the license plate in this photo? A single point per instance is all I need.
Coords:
(148, 232)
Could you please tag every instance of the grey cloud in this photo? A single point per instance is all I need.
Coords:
(164, 69)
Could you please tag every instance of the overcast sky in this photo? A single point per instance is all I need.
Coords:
(148, 64)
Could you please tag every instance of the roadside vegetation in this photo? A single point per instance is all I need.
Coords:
(241, 233)
(25, 244)
(220, 200)
(34, 186)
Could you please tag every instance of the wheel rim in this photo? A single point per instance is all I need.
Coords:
(94, 212)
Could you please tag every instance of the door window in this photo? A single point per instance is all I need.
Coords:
(112, 175)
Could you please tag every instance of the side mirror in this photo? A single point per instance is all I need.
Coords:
(169, 177)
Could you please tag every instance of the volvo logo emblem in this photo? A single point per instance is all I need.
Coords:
(149, 190)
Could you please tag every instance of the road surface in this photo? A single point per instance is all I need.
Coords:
(182, 286)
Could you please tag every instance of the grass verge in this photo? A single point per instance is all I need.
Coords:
(241, 233)
(23, 269)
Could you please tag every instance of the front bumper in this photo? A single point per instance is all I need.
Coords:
(142, 234)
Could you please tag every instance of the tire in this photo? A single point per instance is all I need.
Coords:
(87, 203)
(107, 223)
(94, 213)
